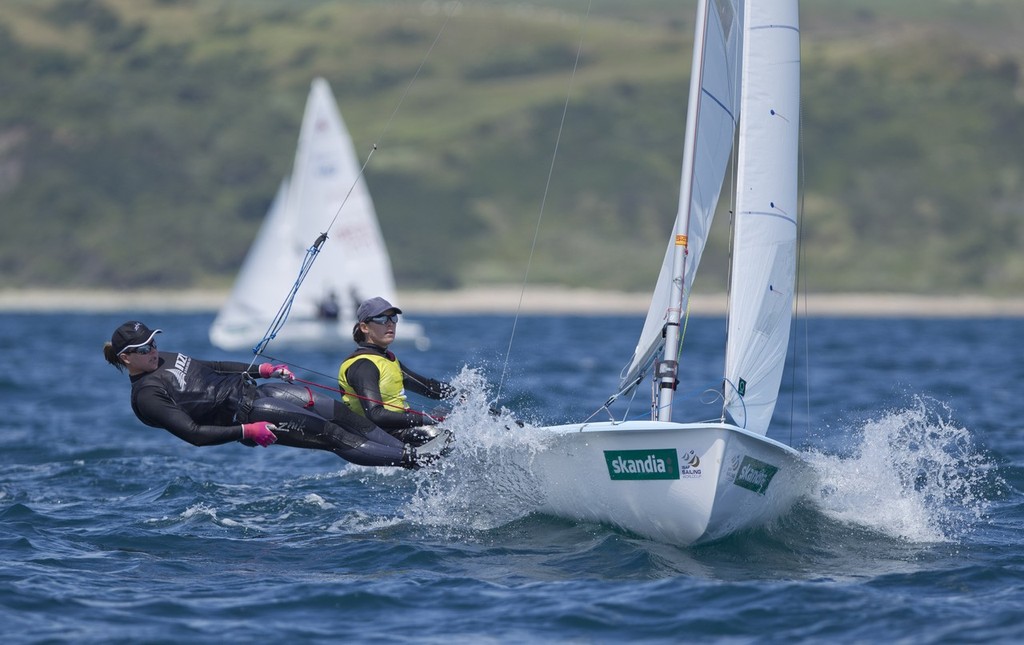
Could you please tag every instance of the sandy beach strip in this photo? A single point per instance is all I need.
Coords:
(512, 299)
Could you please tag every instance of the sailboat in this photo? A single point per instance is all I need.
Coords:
(352, 265)
(698, 481)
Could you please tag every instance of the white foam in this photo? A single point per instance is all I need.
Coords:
(912, 474)
(486, 482)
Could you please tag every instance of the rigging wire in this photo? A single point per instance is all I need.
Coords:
(543, 201)
(313, 251)
(801, 292)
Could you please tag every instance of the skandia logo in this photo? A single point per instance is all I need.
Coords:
(755, 475)
(642, 464)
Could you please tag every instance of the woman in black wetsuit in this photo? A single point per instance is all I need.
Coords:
(374, 382)
(209, 403)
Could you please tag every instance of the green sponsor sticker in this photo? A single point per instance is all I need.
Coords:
(642, 464)
(755, 475)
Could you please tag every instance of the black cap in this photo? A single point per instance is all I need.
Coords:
(130, 335)
(374, 307)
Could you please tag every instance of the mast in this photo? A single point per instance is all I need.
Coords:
(710, 130)
(710, 134)
(667, 369)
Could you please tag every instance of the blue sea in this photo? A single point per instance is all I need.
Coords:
(111, 531)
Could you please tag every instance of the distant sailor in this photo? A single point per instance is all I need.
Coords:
(374, 381)
(209, 403)
(329, 308)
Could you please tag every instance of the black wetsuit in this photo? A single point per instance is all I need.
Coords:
(205, 403)
(364, 378)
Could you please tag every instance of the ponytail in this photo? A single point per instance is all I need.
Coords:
(112, 358)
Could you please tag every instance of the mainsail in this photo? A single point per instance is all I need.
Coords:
(765, 229)
(326, 169)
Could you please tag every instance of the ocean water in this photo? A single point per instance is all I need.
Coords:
(111, 531)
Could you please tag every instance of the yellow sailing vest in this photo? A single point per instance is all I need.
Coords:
(392, 387)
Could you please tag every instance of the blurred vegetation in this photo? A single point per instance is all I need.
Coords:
(141, 141)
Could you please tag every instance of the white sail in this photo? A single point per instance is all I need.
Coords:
(354, 262)
(711, 127)
(764, 254)
(326, 190)
(248, 302)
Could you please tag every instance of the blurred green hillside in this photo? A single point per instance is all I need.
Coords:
(141, 141)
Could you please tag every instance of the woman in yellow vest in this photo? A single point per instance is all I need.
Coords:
(374, 382)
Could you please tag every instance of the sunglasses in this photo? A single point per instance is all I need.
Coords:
(381, 320)
(144, 349)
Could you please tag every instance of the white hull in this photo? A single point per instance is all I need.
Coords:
(681, 483)
(307, 334)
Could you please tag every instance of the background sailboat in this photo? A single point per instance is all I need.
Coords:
(692, 482)
(352, 265)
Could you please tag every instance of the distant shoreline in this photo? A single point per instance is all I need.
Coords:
(510, 299)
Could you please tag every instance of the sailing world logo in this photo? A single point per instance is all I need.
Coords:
(643, 464)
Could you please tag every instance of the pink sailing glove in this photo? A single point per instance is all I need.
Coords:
(260, 432)
(280, 370)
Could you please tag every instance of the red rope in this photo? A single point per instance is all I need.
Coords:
(364, 398)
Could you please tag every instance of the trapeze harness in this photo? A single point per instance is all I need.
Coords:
(205, 403)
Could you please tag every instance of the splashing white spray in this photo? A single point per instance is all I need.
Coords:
(915, 475)
(486, 482)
